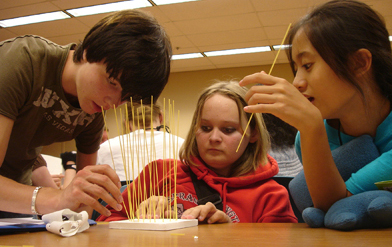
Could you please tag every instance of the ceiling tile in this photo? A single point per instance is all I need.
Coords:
(71, 4)
(192, 64)
(268, 5)
(206, 9)
(157, 13)
(218, 24)
(281, 17)
(180, 43)
(5, 4)
(384, 7)
(228, 37)
(171, 29)
(276, 33)
(30, 9)
(178, 50)
(6, 34)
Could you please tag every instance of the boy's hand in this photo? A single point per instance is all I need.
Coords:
(206, 213)
(90, 184)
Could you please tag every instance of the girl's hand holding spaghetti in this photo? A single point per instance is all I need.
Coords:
(281, 98)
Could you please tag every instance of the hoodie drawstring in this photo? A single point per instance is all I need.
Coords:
(224, 192)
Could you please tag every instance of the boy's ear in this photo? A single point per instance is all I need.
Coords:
(84, 59)
(254, 136)
(361, 62)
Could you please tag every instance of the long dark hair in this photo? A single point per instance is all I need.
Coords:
(337, 29)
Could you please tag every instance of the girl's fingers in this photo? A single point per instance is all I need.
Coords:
(170, 214)
(153, 207)
(200, 212)
(258, 78)
(219, 217)
(263, 99)
(206, 211)
(161, 205)
(191, 213)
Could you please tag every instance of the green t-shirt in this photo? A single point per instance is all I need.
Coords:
(31, 94)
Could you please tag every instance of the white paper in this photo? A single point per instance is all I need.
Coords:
(66, 223)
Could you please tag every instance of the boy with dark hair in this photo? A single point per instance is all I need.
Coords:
(51, 93)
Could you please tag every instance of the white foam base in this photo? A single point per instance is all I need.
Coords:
(153, 225)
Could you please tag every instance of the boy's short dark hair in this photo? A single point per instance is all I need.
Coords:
(135, 49)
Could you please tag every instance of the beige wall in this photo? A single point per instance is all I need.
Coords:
(183, 88)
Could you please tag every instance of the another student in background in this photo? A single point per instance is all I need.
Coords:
(68, 160)
(241, 182)
(282, 146)
(135, 147)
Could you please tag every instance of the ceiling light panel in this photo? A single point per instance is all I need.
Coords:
(186, 56)
(52, 16)
(163, 2)
(237, 51)
(277, 47)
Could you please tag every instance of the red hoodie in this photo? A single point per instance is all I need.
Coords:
(254, 197)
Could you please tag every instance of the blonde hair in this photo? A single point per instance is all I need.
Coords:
(255, 153)
(141, 114)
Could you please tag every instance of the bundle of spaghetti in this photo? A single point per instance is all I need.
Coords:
(152, 178)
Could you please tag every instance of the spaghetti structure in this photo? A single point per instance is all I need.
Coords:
(145, 178)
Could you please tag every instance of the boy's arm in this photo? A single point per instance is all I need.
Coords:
(14, 197)
(92, 183)
(5, 133)
(42, 177)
